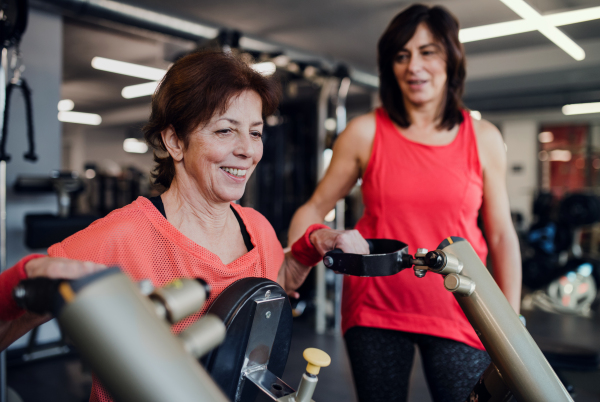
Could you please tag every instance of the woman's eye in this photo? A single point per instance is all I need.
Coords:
(256, 134)
(401, 58)
(224, 131)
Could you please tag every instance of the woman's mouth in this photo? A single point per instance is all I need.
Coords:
(416, 83)
(237, 173)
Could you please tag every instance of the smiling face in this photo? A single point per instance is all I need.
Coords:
(221, 154)
(420, 69)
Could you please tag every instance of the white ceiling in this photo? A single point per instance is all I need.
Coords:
(502, 72)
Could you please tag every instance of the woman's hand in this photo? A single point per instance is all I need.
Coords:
(60, 268)
(349, 241)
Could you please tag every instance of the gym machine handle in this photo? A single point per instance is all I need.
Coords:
(37, 295)
(30, 154)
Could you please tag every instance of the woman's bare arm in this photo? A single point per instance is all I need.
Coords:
(351, 152)
(502, 239)
(49, 267)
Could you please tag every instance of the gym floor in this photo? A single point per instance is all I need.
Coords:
(65, 380)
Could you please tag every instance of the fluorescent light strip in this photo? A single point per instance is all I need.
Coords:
(532, 20)
(159, 19)
(136, 91)
(65, 105)
(561, 40)
(135, 146)
(581, 108)
(266, 68)
(133, 70)
(80, 118)
(520, 26)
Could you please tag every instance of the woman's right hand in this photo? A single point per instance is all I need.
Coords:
(349, 241)
(60, 268)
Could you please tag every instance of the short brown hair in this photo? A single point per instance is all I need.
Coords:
(195, 88)
(444, 27)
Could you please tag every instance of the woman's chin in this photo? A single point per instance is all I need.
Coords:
(231, 195)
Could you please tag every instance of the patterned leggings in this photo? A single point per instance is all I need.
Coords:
(382, 360)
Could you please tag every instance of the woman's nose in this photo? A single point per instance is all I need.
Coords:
(415, 63)
(244, 146)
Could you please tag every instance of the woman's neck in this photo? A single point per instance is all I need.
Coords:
(424, 116)
(188, 210)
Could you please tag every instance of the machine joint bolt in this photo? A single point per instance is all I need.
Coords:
(268, 315)
(419, 273)
(328, 261)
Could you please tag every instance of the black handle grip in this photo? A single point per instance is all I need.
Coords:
(37, 295)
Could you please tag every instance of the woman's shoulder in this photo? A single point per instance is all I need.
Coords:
(359, 132)
(121, 223)
(490, 143)
(363, 124)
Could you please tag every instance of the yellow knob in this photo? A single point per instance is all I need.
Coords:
(316, 359)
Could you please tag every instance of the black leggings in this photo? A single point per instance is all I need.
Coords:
(382, 359)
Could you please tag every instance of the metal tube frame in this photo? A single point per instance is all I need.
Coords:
(519, 360)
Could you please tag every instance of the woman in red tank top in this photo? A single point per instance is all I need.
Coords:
(427, 170)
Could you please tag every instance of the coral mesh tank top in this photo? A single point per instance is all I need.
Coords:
(419, 194)
(139, 240)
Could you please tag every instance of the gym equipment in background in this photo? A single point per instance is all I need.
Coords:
(518, 366)
(44, 230)
(12, 26)
(127, 340)
(563, 278)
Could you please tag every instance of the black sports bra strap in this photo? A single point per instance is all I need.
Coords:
(158, 204)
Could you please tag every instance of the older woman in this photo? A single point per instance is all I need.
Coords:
(427, 169)
(206, 127)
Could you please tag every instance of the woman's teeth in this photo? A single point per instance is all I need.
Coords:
(235, 172)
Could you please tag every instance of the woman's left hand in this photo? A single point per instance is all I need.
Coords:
(349, 241)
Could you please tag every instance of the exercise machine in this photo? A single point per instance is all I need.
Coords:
(123, 331)
(518, 366)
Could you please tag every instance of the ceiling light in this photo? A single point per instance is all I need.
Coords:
(266, 68)
(135, 91)
(561, 40)
(133, 70)
(65, 105)
(80, 118)
(520, 26)
(528, 25)
(546, 137)
(476, 114)
(176, 24)
(135, 146)
(581, 108)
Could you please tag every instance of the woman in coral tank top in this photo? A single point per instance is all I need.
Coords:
(206, 127)
(427, 170)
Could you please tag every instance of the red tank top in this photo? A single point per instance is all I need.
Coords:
(419, 194)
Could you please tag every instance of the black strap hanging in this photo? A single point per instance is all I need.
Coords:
(30, 154)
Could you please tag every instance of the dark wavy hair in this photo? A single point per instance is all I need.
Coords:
(195, 88)
(444, 27)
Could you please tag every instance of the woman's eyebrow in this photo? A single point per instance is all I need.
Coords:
(429, 44)
(257, 123)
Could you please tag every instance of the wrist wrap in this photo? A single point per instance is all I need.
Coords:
(304, 251)
(9, 310)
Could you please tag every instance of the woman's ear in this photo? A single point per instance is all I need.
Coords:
(172, 142)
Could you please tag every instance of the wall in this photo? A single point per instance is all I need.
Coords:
(520, 137)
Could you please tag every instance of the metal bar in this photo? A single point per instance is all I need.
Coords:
(340, 206)
(320, 283)
(3, 79)
(522, 365)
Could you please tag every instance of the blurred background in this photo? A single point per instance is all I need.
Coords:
(92, 66)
